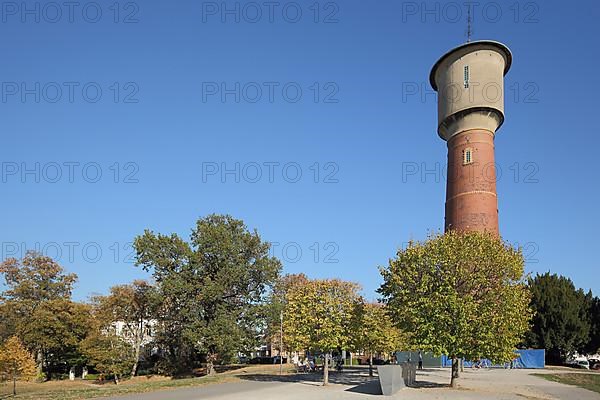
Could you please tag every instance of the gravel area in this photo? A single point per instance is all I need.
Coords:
(493, 384)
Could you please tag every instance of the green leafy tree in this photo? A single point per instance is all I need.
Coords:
(169, 257)
(213, 288)
(16, 363)
(561, 323)
(108, 352)
(459, 294)
(276, 306)
(134, 306)
(36, 306)
(318, 316)
(593, 345)
(55, 330)
(374, 332)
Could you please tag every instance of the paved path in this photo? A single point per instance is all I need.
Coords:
(244, 389)
(495, 384)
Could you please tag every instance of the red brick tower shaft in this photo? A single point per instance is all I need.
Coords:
(471, 200)
(469, 80)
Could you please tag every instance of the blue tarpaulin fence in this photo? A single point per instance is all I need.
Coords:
(531, 358)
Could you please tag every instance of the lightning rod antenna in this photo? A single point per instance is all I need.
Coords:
(469, 25)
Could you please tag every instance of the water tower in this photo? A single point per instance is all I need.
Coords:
(469, 80)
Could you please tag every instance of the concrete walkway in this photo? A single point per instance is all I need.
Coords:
(494, 384)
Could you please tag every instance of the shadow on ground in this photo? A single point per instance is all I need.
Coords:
(349, 377)
(358, 378)
(424, 383)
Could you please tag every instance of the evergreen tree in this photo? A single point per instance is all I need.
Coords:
(561, 317)
(593, 346)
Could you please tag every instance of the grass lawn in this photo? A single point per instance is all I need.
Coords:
(590, 381)
(79, 389)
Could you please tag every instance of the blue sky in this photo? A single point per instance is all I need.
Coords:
(124, 120)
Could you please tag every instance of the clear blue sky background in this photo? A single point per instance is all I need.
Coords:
(373, 50)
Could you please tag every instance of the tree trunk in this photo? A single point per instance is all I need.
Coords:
(210, 364)
(39, 359)
(455, 368)
(135, 363)
(462, 365)
(14, 381)
(326, 370)
(211, 357)
(371, 364)
(138, 344)
(139, 337)
(455, 373)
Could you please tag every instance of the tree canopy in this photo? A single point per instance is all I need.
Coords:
(374, 332)
(219, 293)
(37, 308)
(36, 278)
(459, 294)
(593, 346)
(318, 315)
(134, 307)
(212, 288)
(16, 363)
(561, 324)
(276, 306)
(108, 351)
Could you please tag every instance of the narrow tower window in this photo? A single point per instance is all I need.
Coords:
(467, 156)
(466, 76)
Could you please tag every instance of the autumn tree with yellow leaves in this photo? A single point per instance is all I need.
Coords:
(16, 363)
(318, 316)
(374, 332)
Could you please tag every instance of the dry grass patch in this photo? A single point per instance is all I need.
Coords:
(79, 389)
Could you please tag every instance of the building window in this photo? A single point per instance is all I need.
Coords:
(467, 156)
(466, 76)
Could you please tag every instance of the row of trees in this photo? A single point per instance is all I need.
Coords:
(36, 307)
(207, 302)
(215, 296)
(462, 295)
(57, 333)
(466, 296)
(220, 293)
(328, 315)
